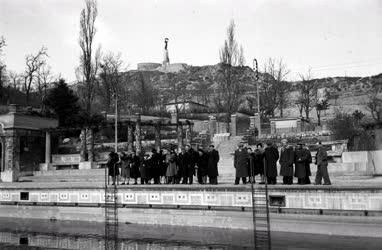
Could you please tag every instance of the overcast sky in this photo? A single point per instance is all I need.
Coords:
(334, 38)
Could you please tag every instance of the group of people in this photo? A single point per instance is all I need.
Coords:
(165, 166)
(294, 162)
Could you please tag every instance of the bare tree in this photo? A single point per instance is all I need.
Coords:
(111, 78)
(44, 80)
(89, 62)
(307, 94)
(33, 62)
(2, 65)
(15, 80)
(278, 87)
(229, 90)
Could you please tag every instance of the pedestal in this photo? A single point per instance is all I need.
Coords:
(233, 125)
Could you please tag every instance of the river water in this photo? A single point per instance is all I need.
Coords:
(42, 234)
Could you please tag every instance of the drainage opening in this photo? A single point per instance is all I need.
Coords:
(24, 196)
(23, 241)
(277, 200)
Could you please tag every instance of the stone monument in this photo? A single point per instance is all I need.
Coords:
(166, 59)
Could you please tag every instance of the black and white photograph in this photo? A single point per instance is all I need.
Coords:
(191, 124)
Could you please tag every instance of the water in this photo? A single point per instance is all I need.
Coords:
(41, 234)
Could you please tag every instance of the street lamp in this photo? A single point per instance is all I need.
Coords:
(116, 123)
(256, 70)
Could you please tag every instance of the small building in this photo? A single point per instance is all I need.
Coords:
(286, 125)
(185, 106)
(22, 139)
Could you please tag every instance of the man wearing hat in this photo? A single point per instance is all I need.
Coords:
(286, 162)
(241, 164)
(301, 157)
(271, 155)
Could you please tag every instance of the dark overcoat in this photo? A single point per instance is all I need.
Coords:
(308, 162)
(182, 165)
(271, 155)
(134, 165)
(286, 161)
(213, 159)
(301, 157)
(202, 162)
(112, 165)
(241, 162)
(190, 159)
(145, 168)
(251, 164)
(259, 161)
(155, 165)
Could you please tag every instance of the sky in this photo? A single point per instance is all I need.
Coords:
(332, 38)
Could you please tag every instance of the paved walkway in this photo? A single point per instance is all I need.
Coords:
(338, 183)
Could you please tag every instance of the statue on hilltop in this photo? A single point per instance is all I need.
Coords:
(166, 59)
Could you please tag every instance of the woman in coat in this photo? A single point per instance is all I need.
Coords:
(125, 168)
(134, 168)
(271, 155)
(241, 164)
(144, 169)
(171, 167)
(202, 162)
(112, 166)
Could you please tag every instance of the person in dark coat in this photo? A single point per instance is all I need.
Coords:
(286, 162)
(307, 166)
(301, 157)
(322, 166)
(112, 166)
(182, 167)
(163, 166)
(202, 163)
(213, 159)
(145, 169)
(259, 162)
(251, 165)
(134, 167)
(241, 164)
(155, 166)
(271, 155)
(125, 168)
(190, 158)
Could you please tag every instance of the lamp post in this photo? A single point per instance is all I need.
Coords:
(116, 123)
(256, 70)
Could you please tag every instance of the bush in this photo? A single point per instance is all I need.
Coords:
(346, 126)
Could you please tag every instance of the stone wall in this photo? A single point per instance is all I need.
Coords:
(294, 197)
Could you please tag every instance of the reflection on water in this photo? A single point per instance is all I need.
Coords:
(90, 235)
(22, 240)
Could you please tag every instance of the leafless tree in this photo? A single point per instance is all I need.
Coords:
(15, 80)
(278, 87)
(2, 65)
(34, 62)
(229, 89)
(307, 98)
(111, 78)
(89, 61)
(44, 80)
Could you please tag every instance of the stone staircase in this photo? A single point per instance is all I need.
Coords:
(72, 175)
(226, 150)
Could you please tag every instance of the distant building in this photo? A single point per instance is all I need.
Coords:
(185, 106)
